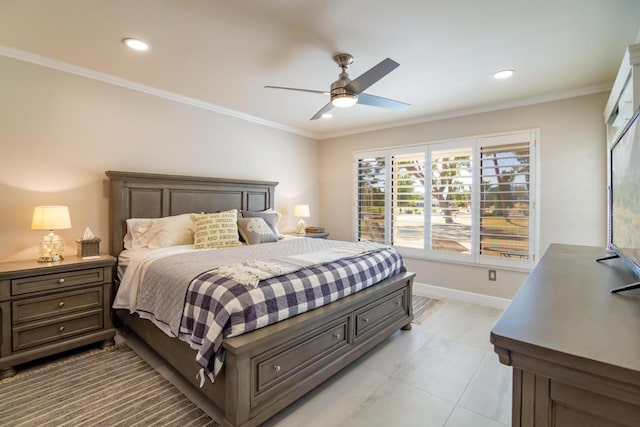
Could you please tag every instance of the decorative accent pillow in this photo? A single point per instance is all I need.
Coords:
(269, 216)
(256, 230)
(216, 230)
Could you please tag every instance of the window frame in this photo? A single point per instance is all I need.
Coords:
(476, 143)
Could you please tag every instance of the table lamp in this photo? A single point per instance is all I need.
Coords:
(301, 211)
(51, 218)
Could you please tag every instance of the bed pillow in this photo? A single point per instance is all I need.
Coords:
(159, 232)
(216, 230)
(136, 227)
(270, 216)
(256, 230)
(170, 231)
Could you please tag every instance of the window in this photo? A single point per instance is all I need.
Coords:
(470, 200)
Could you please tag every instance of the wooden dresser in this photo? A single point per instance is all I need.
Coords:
(574, 347)
(49, 308)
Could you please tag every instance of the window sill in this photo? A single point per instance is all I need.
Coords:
(498, 266)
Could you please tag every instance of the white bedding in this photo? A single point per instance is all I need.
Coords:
(132, 264)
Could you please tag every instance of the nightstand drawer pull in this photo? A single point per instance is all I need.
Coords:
(61, 281)
(365, 320)
(276, 368)
(61, 304)
(61, 329)
(336, 336)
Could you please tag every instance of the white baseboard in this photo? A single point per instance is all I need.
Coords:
(458, 295)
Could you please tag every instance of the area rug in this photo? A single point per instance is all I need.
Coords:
(423, 307)
(112, 387)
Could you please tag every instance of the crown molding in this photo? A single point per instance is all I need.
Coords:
(150, 90)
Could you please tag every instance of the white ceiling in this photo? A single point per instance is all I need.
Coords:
(224, 52)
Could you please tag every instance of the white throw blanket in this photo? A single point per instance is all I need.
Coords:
(250, 273)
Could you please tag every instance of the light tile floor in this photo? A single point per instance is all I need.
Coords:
(442, 373)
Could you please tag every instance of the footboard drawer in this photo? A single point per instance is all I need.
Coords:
(378, 311)
(288, 362)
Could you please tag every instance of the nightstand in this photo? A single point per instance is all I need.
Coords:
(50, 308)
(322, 235)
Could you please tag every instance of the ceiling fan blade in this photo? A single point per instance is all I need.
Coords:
(323, 110)
(321, 92)
(374, 74)
(378, 101)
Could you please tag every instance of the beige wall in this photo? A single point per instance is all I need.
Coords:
(59, 132)
(572, 180)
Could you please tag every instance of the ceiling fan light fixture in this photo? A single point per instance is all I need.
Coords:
(327, 115)
(136, 44)
(344, 100)
(503, 74)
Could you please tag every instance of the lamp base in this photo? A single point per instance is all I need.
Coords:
(300, 228)
(51, 248)
(51, 258)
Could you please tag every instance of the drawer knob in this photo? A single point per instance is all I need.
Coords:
(276, 368)
(397, 302)
(365, 320)
(61, 329)
(61, 281)
(61, 304)
(336, 336)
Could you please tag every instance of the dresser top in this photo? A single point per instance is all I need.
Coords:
(565, 312)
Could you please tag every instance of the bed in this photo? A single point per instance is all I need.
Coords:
(267, 369)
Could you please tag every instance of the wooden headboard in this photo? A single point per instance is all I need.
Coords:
(144, 195)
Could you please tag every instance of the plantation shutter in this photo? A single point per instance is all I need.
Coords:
(407, 219)
(451, 187)
(505, 197)
(371, 182)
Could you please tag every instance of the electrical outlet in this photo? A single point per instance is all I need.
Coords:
(492, 275)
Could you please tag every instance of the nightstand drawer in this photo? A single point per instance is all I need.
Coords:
(28, 310)
(47, 282)
(33, 334)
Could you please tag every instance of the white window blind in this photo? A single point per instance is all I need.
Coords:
(451, 184)
(371, 182)
(505, 199)
(407, 219)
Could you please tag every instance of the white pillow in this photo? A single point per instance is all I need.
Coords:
(159, 232)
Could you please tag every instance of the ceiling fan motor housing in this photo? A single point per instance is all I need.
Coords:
(342, 97)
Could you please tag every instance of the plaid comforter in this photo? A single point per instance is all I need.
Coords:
(217, 307)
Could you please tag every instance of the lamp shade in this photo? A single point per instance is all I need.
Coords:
(50, 218)
(301, 211)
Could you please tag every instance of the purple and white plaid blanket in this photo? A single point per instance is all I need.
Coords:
(217, 307)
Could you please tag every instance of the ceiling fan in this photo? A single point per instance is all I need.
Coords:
(346, 92)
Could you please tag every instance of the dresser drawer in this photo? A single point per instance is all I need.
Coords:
(393, 304)
(29, 310)
(47, 282)
(37, 333)
(285, 363)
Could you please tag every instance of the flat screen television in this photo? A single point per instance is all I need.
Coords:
(624, 208)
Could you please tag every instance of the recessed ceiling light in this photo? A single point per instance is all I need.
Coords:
(136, 44)
(327, 115)
(503, 74)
